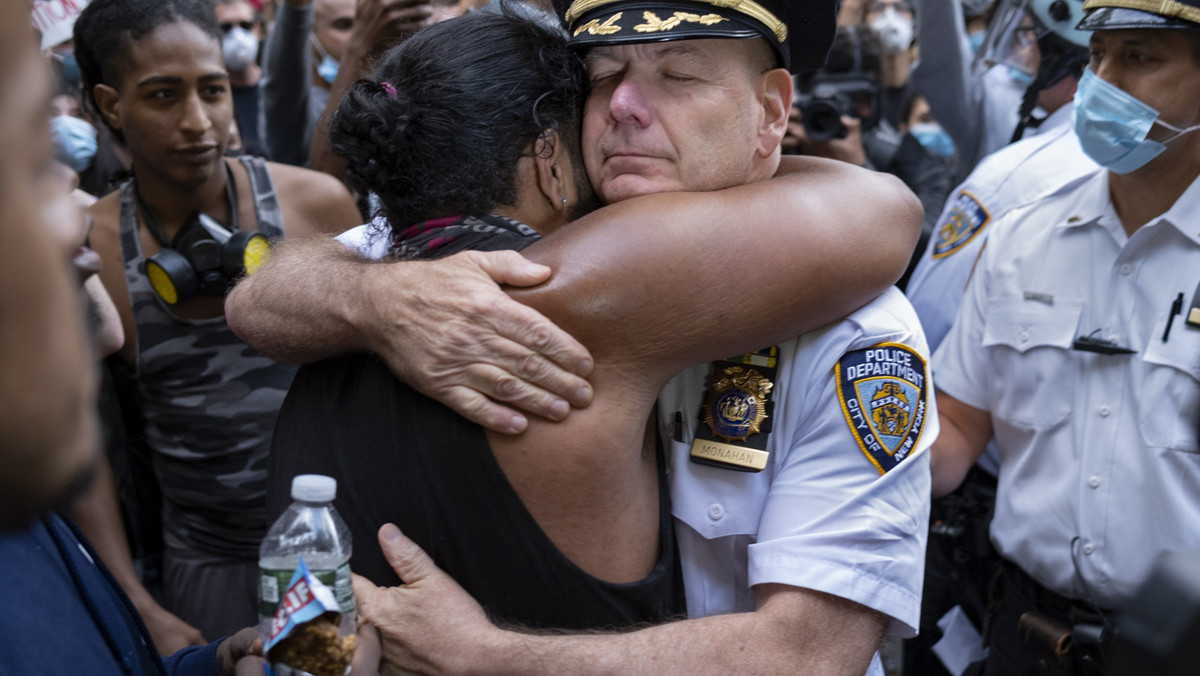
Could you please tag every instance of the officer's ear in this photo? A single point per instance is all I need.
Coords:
(775, 96)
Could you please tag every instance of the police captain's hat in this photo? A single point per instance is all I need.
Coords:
(1107, 15)
(801, 33)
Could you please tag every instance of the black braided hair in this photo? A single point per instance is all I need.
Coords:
(464, 101)
(105, 30)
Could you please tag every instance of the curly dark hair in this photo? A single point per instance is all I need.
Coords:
(439, 128)
(106, 28)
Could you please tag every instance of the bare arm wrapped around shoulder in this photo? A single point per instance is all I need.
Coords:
(445, 327)
(683, 277)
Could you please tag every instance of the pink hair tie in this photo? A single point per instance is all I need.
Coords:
(387, 87)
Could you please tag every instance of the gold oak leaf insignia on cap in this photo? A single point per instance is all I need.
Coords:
(655, 25)
(594, 27)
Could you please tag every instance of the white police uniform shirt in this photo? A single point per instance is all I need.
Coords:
(821, 515)
(1100, 467)
(1014, 175)
(1008, 178)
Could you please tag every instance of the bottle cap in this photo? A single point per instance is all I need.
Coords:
(314, 488)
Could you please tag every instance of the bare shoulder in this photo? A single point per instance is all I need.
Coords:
(106, 216)
(312, 201)
(105, 240)
(807, 165)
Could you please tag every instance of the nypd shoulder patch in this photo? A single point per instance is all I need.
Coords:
(963, 222)
(883, 394)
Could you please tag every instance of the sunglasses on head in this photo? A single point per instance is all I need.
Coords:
(245, 25)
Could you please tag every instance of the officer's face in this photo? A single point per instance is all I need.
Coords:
(670, 116)
(1157, 68)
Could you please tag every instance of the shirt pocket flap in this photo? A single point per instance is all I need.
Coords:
(713, 501)
(1181, 351)
(1023, 325)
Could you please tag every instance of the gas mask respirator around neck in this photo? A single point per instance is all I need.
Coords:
(204, 258)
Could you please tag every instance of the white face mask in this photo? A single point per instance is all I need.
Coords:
(240, 49)
(895, 30)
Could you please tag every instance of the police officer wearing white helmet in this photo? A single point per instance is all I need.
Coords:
(1077, 346)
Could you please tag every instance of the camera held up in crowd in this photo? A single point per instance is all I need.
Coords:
(831, 96)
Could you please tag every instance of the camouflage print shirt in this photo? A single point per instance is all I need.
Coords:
(210, 402)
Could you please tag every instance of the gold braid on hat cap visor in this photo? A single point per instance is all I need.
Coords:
(1168, 8)
(748, 7)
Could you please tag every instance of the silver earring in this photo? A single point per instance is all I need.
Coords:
(564, 199)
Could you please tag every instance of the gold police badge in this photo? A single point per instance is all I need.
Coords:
(736, 403)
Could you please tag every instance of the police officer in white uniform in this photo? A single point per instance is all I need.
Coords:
(838, 506)
(1007, 178)
(959, 557)
(1078, 346)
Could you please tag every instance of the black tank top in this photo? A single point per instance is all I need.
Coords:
(401, 457)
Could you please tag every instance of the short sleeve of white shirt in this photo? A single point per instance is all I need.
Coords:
(820, 516)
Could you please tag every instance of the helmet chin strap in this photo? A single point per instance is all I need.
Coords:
(1059, 59)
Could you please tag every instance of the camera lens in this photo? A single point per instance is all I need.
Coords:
(823, 120)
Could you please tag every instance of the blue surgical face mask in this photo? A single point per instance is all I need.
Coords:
(74, 141)
(933, 138)
(328, 68)
(976, 39)
(1112, 126)
(1019, 76)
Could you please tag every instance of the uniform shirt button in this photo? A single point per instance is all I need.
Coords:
(1104, 411)
(1126, 268)
(1088, 549)
(1024, 336)
(1094, 481)
(716, 511)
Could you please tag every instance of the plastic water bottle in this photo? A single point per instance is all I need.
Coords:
(311, 528)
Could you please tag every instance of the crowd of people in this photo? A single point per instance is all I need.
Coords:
(485, 262)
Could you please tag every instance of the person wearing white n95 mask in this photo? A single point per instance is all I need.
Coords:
(894, 23)
(239, 47)
(240, 40)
